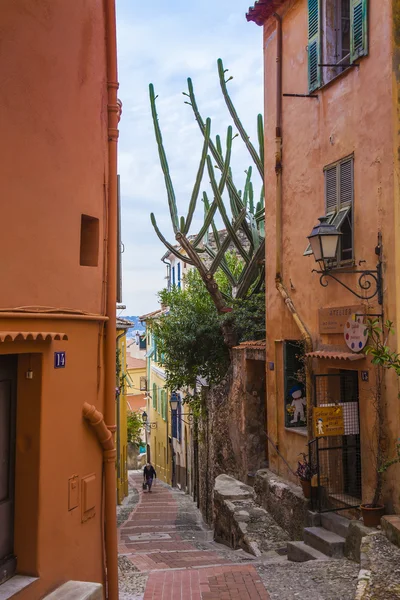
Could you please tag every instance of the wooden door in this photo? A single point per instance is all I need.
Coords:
(8, 379)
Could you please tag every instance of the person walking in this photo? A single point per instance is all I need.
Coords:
(148, 475)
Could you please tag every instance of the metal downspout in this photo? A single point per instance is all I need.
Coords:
(305, 334)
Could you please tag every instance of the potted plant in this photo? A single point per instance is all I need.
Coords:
(305, 472)
(382, 359)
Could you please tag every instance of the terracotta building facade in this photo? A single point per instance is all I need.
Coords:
(59, 122)
(331, 139)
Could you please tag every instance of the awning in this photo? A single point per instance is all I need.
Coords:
(38, 336)
(335, 355)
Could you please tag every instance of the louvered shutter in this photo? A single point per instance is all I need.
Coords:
(358, 28)
(314, 45)
(346, 183)
(331, 189)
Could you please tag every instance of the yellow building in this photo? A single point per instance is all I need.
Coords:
(157, 408)
(121, 410)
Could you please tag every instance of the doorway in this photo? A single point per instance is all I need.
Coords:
(8, 405)
(338, 458)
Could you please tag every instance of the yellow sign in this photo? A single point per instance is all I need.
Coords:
(328, 420)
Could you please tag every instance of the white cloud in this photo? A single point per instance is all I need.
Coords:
(164, 43)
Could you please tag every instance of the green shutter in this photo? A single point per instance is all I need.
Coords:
(154, 396)
(359, 29)
(314, 45)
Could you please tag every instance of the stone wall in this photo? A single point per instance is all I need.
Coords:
(284, 501)
(231, 435)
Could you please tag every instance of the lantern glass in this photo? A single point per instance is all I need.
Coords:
(324, 240)
(173, 403)
(144, 417)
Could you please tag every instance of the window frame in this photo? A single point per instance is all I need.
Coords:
(287, 386)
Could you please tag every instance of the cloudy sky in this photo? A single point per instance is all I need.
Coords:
(163, 42)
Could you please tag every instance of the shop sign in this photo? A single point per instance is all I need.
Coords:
(333, 320)
(356, 333)
(328, 421)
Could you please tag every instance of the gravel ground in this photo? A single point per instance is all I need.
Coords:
(313, 580)
(125, 509)
(383, 560)
(131, 581)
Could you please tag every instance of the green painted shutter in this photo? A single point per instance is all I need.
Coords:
(359, 29)
(314, 45)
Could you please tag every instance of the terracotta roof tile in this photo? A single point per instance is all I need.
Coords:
(335, 355)
(262, 10)
(135, 363)
(253, 345)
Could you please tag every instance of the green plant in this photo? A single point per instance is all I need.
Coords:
(135, 425)
(120, 373)
(383, 359)
(245, 214)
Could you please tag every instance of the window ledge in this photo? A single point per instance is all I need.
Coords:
(324, 86)
(299, 430)
(13, 586)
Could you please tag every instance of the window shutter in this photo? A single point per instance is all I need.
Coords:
(346, 182)
(331, 192)
(154, 396)
(358, 28)
(314, 45)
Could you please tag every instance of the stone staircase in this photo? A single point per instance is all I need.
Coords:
(325, 539)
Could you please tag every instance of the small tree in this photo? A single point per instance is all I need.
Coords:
(135, 425)
(382, 358)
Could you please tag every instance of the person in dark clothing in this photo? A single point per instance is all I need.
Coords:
(148, 475)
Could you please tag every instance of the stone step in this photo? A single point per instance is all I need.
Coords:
(301, 552)
(335, 523)
(325, 541)
(77, 590)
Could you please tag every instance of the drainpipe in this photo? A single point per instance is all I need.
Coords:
(305, 334)
(114, 111)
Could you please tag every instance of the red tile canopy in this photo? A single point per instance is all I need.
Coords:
(262, 10)
(39, 336)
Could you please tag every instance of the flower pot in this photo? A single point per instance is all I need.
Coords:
(306, 485)
(372, 514)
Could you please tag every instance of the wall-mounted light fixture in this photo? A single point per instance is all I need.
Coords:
(324, 241)
(147, 423)
(174, 408)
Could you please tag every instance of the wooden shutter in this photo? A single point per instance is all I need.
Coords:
(358, 28)
(346, 182)
(154, 396)
(314, 45)
(331, 189)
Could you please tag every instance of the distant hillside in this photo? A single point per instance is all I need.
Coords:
(138, 326)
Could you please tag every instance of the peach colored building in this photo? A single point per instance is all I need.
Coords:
(59, 126)
(331, 148)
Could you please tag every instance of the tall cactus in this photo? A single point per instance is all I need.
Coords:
(245, 215)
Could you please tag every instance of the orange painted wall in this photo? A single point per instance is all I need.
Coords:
(53, 114)
(353, 114)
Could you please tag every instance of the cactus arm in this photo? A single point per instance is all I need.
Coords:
(171, 248)
(254, 231)
(207, 278)
(164, 163)
(223, 266)
(199, 177)
(207, 222)
(226, 243)
(248, 275)
(221, 207)
(236, 120)
(251, 198)
(214, 228)
(260, 134)
(259, 282)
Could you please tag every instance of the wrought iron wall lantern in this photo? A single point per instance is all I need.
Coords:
(324, 241)
(147, 423)
(174, 407)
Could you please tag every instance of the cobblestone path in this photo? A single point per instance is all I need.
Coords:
(166, 554)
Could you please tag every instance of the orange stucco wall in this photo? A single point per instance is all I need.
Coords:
(53, 114)
(353, 114)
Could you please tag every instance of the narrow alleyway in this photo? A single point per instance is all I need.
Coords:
(166, 553)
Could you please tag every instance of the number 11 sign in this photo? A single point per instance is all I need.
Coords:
(59, 360)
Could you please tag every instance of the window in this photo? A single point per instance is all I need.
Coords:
(154, 396)
(295, 395)
(89, 251)
(179, 275)
(339, 194)
(164, 404)
(159, 401)
(173, 275)
(337, 35)
(143, 384)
